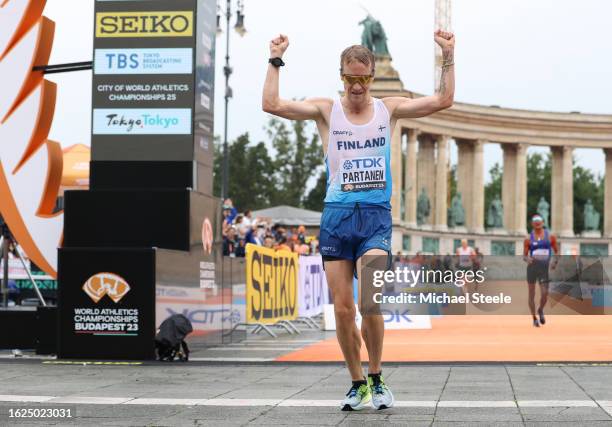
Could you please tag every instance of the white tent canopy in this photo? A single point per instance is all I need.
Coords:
(288, 215)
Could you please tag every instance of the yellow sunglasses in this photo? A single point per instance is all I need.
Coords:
(352, 79)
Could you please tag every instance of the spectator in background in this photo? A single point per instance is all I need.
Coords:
(301, 234)
(314, 246)
(238, 221)
(227, 204)
(283, 245)
(299, 246)
(229, 242)
(226, 220)
(269, 242)
(256, 234)
(247, 218)
(241, 248)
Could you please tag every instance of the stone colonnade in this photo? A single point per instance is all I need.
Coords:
(425, 166)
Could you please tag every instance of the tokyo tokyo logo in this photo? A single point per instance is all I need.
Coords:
(30, 164)
(134, 121)
(110, 284)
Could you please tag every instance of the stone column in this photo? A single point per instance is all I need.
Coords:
(426, 175)
(396, 172)
(521, 190)
(562, 189)
(440, 220)
(508, 189)
(410, 179)
(477, 223)
(514, 188)
(607, 214)
(464, 176)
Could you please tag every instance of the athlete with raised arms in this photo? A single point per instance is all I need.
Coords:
(356, 135)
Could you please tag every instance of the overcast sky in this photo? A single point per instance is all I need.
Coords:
(532, 54)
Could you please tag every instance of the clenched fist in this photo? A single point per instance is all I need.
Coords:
(445, 39)
(278, 46)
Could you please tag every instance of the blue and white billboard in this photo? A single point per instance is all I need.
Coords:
(143, 61)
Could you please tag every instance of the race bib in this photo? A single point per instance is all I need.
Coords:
(363, 174)
(541, 254)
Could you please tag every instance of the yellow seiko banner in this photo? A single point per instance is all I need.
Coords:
(144, 24)
(271, 285)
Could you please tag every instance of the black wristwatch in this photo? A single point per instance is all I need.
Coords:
(277, 62)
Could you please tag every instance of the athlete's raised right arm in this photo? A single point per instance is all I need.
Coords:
(309, 109)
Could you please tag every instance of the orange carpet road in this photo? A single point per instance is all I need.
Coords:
(485, 339)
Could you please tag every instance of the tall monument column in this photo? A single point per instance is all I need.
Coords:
(562, 189)
(608, 194)
(396, 169)
(410, 178)
(440, 219)
(426, 174)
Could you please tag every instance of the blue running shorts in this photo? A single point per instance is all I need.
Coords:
(350, 230)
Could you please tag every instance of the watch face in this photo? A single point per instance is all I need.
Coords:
(277, 62)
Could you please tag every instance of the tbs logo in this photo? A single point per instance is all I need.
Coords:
(122, 61)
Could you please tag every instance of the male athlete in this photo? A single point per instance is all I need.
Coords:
(356, 135)
(537, 252)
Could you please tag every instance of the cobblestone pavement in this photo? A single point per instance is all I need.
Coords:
(203, 393)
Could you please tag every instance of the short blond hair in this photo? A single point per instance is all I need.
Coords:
(357, 53)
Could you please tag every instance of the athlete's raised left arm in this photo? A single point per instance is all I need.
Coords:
(402, 108)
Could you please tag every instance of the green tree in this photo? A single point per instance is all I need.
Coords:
(538, 183)
(587, 186)
(298, 157)
(251, 173)
(493, 187)
(452, 187)
(315, 197)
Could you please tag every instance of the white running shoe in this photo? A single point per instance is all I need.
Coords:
(382, 398)
(357, 398)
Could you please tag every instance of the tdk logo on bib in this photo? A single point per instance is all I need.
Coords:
(363, 174)
(365, 163)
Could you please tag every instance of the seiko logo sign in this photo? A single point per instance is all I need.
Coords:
(144, 24)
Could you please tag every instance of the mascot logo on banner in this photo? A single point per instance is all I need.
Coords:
(109, 284)
(30, 165)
